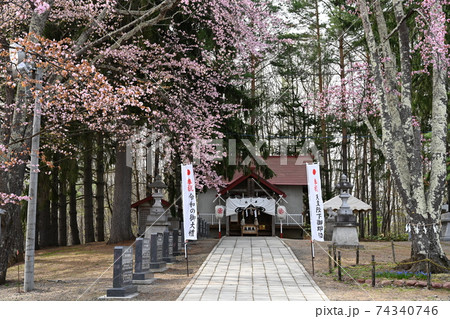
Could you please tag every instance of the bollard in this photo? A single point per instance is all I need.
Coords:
(373, 270)
(393, 251)
(339, 266)
(330, 265)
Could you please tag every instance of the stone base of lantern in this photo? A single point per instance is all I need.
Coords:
(345, 236)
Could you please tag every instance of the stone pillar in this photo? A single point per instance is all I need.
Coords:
(182, 238)
(199, 228)
(345, 232)
(167, 250)
(142, 273)
(122, 273)
(176, 244)
(156, 262)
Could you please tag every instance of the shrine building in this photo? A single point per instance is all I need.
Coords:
(251, 204)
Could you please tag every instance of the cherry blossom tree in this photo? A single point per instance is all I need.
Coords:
(113, 64)
(401, 138)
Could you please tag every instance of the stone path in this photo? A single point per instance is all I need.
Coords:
(252, 268)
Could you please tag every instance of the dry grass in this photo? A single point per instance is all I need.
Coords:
(84, 272)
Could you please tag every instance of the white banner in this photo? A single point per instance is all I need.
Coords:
(266, 205)
(315, 202)
(189, 202)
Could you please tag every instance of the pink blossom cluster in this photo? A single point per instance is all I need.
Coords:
(351, 99)
(174, 84)
(433, 23)
(40, 6)
(11, 198)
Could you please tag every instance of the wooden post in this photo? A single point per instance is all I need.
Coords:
(339, 266)
(330, 261)
(373, 270)
(334, 256)
(393, 251)
(357, 255)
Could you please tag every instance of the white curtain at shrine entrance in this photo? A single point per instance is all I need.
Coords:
(232, 204)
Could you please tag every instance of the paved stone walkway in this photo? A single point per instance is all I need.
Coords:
(252, 268)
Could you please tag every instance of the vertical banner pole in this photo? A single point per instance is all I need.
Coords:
(312, 256)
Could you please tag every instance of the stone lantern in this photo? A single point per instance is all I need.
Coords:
(345, 231)
(157, 220)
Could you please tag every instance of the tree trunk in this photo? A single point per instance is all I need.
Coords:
(323, 124)
(74, 232)
(121, 217)
(89, 235)
(401, 141)
(43, 207)
(54, 203)
(344, 109)
(373, 190)
(11, 182)
(62, 222)
(363, 185)
(387, 214)
(12, 236)
(100, 193)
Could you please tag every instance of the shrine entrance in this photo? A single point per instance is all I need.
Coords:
(254, 221)
(250, 206)
(250, 215)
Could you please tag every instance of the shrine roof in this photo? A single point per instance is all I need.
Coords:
(288, 170)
